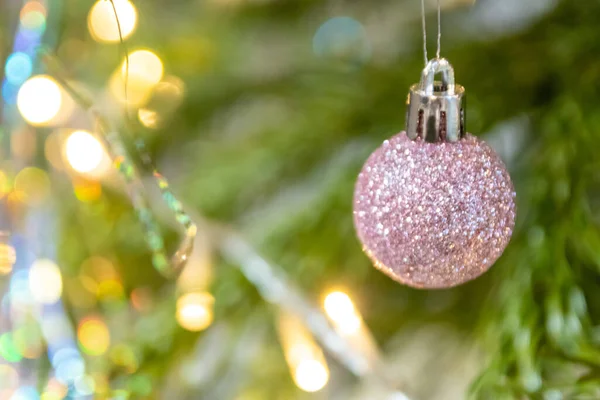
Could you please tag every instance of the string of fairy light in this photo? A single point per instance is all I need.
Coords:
(37, 285)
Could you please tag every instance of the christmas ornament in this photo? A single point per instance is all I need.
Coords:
(434, 206)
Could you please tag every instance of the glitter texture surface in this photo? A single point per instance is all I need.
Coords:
(434, 215)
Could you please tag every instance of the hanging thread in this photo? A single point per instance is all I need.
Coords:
(439, 26)
(439, 31)
(424, 23)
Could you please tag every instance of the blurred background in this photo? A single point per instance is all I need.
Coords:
(260, 113)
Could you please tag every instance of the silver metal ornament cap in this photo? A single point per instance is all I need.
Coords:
(436, 109)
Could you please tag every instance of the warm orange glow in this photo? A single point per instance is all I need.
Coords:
(39, 100)
(34, 184)
(195, 311)
(102, 22)
(93, 336)
(45, 281)
(341, 311)
(8, 257)
(83, 151)
(142, 70)
(304, 357)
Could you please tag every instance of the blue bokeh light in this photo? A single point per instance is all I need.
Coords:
(9, 92)
(344, 38)
(25, 393)
(18, 68)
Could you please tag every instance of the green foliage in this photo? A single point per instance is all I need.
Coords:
(273, 146)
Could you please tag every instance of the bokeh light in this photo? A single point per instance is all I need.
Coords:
(8, 348)
(304, 357)
(166, 96)
(87, 190)
(143, 65)
(5, 184)
(124, 356)
(110, 290)
(23, 143)
(53, 150)
(195, 311)
(33, 16)
(19, 287)
(70, 369)
(102, 22)
(100, 269)
(83, 151)
(341, 311)
(9, 380)
(54, 390)
(311, 375)
(45, 281)
(39, 100)
(142, 71)
(34, 183)
(141, 299)
(56, 329)
(8, 257)
(343, 38)
(148, 118)
(18, 68)
(28, 340)
(25, 393)
(85, 385)
(93, 336)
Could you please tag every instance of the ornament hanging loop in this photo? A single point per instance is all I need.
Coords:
(434, 67)
(436, 109)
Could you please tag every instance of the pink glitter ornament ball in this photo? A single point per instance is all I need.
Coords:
(434, 215)
(434, 207)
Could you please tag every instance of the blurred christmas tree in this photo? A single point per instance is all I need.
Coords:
(261, 114)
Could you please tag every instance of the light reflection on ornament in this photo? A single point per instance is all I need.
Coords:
(195, 311)
(83, 151)
(102, 22)
(39, 100)
(93, 336)
(341, 311)
(45, 281)
(342, 37)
